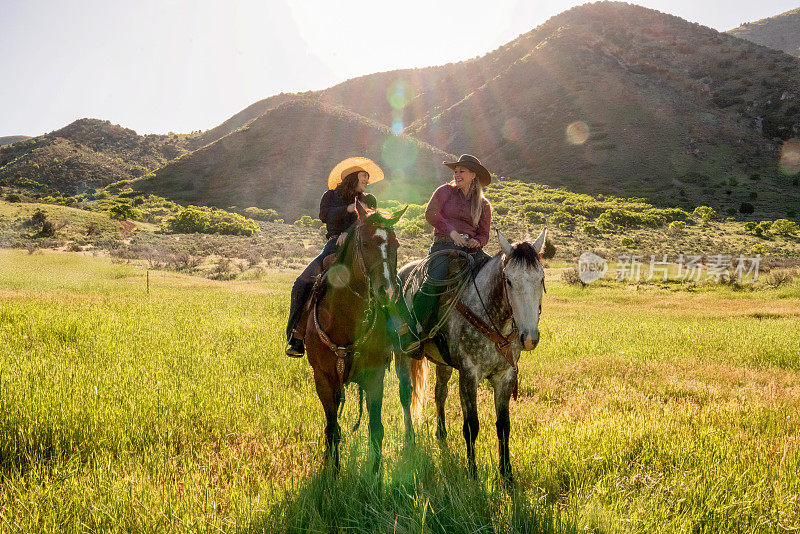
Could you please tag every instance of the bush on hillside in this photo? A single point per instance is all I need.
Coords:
(784, 227)
(259, 214)
(214, 221)
(122, 212)
(549, 250)
(705, 213)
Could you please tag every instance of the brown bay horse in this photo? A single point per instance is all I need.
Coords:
(347, 333)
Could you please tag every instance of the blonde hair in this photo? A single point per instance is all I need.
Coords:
(476, 200)
(475, 196)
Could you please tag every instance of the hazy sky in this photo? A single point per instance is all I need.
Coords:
(183, 65)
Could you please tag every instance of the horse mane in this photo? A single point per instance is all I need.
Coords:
(523, 252)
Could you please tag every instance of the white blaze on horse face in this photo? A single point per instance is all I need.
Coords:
(525, 293)
(385, 258)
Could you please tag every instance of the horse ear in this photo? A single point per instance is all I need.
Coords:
(538, 245)
(362, 213)
(505, 246)
(391, 221)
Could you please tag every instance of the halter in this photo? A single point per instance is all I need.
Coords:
(342, 351)
(502, 343)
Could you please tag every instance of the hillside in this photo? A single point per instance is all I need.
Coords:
(10, 139)
(659, 107)
(243, 117)
(88, 153)
(281, 160)
(781, 32)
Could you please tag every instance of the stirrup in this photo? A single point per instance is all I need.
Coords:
(407, 340)
(295, 348)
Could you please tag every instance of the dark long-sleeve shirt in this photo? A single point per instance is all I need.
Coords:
(449, 209)
(333, 211)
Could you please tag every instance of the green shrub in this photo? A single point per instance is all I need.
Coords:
(750, 226)
(591, 229)
(260, 214)
(122, 212)
(549, 250)
(563, 219)
(213, 221)
(627, 241)
(677, 226)
(705, 213)
(308, 222)
(784, 227)
(38, 217)
(13, 197)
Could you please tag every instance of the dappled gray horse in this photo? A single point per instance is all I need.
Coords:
(497, 317)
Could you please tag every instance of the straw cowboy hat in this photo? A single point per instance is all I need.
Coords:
(351, 165)
(472, 163)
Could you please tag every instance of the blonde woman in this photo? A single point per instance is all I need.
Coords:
(460, 216)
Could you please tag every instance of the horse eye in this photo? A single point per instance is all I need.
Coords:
(508, 282)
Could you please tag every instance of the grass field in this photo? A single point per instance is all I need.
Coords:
(644, 409)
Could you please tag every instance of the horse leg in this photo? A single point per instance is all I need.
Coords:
(374, 396)
(443, 374)
(330, 395)
(402, 366)
(503, 384)
(468, 388)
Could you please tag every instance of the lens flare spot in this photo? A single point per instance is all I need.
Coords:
(790, 157)
(338, 275)
(577, 133)
(399, 152)
(397, 127)
(514, 130)
(398, 94)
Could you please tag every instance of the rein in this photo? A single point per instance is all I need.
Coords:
(502, 343)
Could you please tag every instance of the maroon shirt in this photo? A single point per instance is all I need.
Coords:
(448, 210)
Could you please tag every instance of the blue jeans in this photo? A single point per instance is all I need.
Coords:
(426, 301)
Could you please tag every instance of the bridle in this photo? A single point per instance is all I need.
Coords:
(491, 331)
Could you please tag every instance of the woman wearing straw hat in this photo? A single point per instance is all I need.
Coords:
(337, 209)
(460, 216)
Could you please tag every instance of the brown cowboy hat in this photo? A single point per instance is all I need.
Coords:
(350, 165)
(472, 163)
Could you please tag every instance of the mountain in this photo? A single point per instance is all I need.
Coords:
(88, 153)
(608, 98)
(281, 160)
(604, 98)
(243, 117)
(10, 139)
(781, 32)
(616, 98)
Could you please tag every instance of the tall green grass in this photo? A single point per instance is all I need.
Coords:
(641, 411)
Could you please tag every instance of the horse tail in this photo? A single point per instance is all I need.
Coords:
(419, 385)
(360, 407)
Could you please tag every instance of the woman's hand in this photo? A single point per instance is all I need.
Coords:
(457, 239)
(473, 243)
(342, 237)
(351, 208)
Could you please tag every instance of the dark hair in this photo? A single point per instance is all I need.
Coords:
(347, 189)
